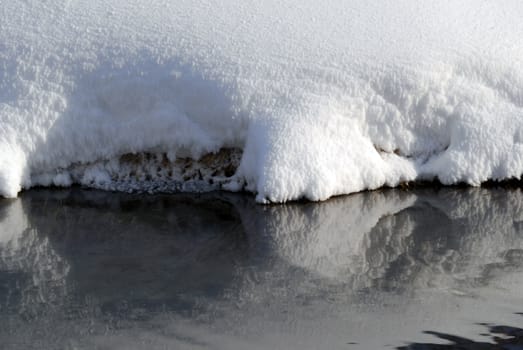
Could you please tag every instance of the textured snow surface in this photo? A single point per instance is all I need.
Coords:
(323, 97)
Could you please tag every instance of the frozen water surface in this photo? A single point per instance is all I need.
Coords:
(85, 269)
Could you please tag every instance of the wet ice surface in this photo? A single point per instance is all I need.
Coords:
(426, 269)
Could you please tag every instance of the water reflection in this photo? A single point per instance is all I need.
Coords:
(79, 265)
(116, 248)
(401, 240)
(32, 273)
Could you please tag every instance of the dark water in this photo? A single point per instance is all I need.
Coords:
(381, 270)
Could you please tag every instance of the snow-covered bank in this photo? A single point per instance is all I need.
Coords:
(321, 98)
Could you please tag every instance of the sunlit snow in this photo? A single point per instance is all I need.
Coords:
(321, 97)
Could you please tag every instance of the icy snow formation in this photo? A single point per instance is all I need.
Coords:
(322, 97)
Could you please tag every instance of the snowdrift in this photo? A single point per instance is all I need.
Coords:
(300, 99)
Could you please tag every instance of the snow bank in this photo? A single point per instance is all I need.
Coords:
(322, 98)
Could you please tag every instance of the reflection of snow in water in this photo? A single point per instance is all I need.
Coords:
(25, 252)
(452, 239)
(331, 238)
(13, 222)
(308, 268)
(378, 268)
(481, 236)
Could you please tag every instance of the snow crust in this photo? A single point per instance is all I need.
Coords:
(324, 98)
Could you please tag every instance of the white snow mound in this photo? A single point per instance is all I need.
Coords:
(322, 97)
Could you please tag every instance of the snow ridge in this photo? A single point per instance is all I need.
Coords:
(321, 98)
